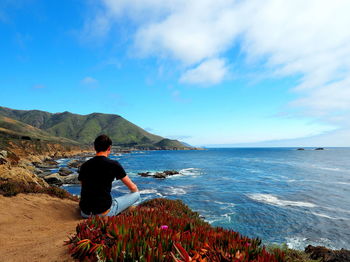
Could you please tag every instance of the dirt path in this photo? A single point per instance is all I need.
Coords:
(33, 227)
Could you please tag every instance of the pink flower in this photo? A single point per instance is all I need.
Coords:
(164, 227)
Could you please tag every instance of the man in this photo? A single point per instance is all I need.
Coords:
(96, 176)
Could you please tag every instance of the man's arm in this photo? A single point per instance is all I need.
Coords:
(127, 181)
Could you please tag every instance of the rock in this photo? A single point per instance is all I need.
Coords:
(319, 148)
(3, 156)
(42, 173)
(160, 175)
(171, 172)
(2, 160)
(3, 153)
(71, 179)
(328, 255)
(54, 179)
(75, 163)
(64, 171)
(146, 174)
(50, 162)
(44, 165)
(300, 149)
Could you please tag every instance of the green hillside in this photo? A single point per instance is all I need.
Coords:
(84, 128)
(12, 128)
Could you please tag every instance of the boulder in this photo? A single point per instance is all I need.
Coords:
(3, 156)
(50, 162)
(64, 171)
(161, 175)
(2, 160)
(3, 153)
(171, 172)
(76, 163)
(71, 179)
(328, 255)
(54, 179)
(145, 174)
(319, 148)
(300, 149)
(43, 165)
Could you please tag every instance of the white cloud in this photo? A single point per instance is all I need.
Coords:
(207, 73)
(308, 39)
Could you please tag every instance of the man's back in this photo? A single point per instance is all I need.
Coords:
(97, 175)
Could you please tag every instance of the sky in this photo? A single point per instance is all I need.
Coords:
(206, 72)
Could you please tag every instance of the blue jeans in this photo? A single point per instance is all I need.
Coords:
(119, 204)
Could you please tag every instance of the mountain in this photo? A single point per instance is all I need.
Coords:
(82, 128)
(12, 128)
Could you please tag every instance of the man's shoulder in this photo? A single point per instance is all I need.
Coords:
(101, 160)
(112, 161)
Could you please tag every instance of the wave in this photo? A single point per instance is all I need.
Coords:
(300, 243)
(273, 200)
(148, 191)
(342, 183)
(175, 191)
(190, 171)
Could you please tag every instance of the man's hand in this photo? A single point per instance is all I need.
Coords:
(127, 181)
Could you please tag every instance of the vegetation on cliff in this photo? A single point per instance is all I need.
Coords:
(163, 230)
(12, 188)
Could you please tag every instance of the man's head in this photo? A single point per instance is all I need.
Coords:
(102, 143)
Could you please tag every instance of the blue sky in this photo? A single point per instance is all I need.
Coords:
(206, 72)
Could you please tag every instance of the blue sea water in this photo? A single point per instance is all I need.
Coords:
(280, 195)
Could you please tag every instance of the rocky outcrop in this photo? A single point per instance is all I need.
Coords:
(64, 171)
(328, 255)
(161, 175)
(3, 156)
(76, 163)
(32, 161)
(57, 180)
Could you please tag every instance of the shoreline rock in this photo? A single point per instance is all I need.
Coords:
(328, 255)
(159, 175)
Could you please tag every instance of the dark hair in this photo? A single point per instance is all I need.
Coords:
(102, 142)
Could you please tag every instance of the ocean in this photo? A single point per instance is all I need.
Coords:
(280, 195)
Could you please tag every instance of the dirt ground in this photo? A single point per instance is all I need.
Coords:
(33, 227)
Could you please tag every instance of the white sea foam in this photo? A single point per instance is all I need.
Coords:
(190, 171)
(323, 215)
(273, 200)
(342, 183)
(227, 216)
(148, 191)
(338, 209)
(159, 194)
(175, 191)
(300, 243)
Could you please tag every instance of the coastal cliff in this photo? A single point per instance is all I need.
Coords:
(18, 155)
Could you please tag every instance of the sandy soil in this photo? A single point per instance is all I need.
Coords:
(33, 227)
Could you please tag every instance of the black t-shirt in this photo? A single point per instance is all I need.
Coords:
(96, 176)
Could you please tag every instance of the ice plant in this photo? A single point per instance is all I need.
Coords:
(162, 230)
